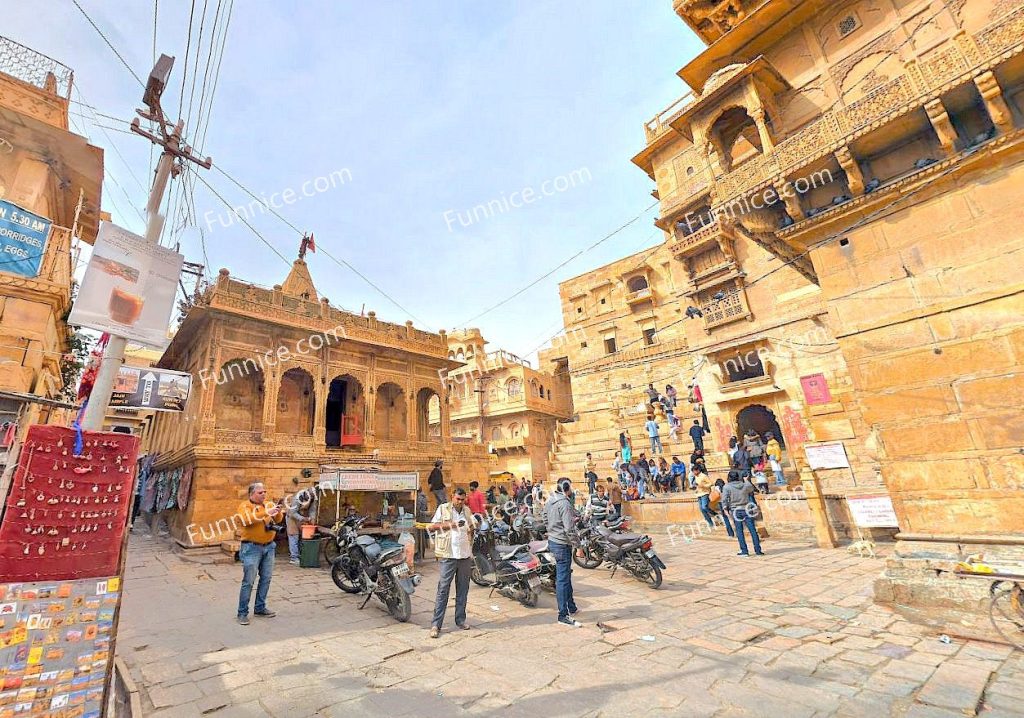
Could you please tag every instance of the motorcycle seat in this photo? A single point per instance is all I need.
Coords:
(624, 539)
(507, 552)
(538, 546)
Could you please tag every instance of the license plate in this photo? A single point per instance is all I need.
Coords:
(402, 569)
(534, 581)
(649, 553)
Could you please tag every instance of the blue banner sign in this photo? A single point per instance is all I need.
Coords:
(22, 240)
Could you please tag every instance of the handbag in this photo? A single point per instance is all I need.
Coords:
(715, 497)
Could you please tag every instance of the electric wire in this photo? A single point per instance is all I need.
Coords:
(109, 44)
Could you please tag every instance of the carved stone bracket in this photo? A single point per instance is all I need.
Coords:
(943, 125)
(854, 176)
(995, 103)
(791, 198)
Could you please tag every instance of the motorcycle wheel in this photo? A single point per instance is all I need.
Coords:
(477, 577)
(330, 551)
(401, 607)
(653, 576)
(589, 559)
(342, 580)
(531, 598)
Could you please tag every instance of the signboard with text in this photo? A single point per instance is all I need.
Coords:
(816, 391)
(129, 287)
(827, 456)
(873, 511)
(339, 480)
(23, 237)
(159, 389)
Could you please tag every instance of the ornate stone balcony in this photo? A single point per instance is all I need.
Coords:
(696, 242)
(660, 123)
(730, 308)
(515, 444)
(640, 296)
(956, 62)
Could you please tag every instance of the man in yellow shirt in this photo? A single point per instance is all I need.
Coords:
(257, 550)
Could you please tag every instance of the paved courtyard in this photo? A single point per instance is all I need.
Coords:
(794, 634)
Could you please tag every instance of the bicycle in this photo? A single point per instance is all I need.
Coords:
(1006, 604)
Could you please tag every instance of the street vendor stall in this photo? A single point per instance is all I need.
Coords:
(387, 499)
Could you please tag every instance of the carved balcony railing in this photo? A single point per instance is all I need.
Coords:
(518, 442)
(957, 61)
(697, 241)
(730, 308)
(232, 437)
(660, 123)
(640, 296)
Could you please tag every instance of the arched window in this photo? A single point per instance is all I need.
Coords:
(390, 412)
(513, 387)
(428, 415)
(541, 391)
(295, 403)
(736, 135)
(238, 404)
(495, 433)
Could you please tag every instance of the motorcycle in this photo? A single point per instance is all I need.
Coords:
(634, 552)
(534, 535)
(591, 551)
(512, 571)
(364, 566)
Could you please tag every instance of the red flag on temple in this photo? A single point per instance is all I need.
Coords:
(310, 244)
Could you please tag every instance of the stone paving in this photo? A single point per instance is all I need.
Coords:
(794, 634)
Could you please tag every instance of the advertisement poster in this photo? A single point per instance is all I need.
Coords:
(22, 240)
(872, 511)
(129, 287)
(55, 646)
(827, 456)
(816, 391)
(335, 480)
(160, 389)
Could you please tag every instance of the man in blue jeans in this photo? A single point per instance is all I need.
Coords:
(257, 550)
(561, 537)
(737, 499)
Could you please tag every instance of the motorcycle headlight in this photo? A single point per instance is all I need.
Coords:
(416, 579)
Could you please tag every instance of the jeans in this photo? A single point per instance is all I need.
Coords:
(563, 578)
(780, 480)
(618, 509)
(255, 558)
(441, 495)
(591, 481)
(725, 520)
(656, 445)
(641, 487)
(460, 569)
(293, 547)
(704, 502)
(742, 519)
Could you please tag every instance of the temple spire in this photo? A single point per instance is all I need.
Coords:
(299, 283)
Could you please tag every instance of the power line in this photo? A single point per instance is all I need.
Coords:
(112, 48)
(188, 47)
(244, 220)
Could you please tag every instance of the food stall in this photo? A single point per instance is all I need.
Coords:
(386, 498)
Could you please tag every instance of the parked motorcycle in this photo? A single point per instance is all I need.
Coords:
(364, 566)
(591, 552)
(511, 570)
(633, 552)
(537, 542)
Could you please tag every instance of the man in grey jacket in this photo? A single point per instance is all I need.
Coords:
(737, 500)
(561, 520)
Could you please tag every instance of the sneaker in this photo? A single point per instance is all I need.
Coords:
(743, 553)
(571, 622)
(435, 632)
(573, 612)
(293, 561)
(243, 620)
(463, 626)
(759, 553)
(265, 614)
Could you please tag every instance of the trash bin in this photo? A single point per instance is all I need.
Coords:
(309, 553)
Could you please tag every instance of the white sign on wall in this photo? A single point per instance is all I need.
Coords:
(368, 480)
(827, 456)
(873, 511)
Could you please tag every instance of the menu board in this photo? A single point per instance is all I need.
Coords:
(66, 514)
(55, 641)
(334, 480)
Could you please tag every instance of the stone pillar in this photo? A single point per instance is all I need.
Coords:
(412, 419)
(759, 117)
(208, 398)
(942, 124)
(370, 401)
(995, 103)
(320, 389)
(816, 503)
(854, 176)
(271, 383)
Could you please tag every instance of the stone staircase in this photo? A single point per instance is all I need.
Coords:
(598, 432)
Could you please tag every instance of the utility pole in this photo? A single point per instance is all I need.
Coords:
(167, 167)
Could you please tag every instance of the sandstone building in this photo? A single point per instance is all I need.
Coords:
(54, 173)
(865, 158)
(285, 383)
(499, 400)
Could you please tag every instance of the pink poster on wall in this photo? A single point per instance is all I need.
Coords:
(816, 389)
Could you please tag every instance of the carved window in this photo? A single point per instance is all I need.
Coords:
(637, 284)
(707, 260)
(650, 336)
(513, 387)
(722, 305)
(743, 365)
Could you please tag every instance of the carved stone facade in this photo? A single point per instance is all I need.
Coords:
(499, 400)
(56, 174)
(909, 119)
(285, 383)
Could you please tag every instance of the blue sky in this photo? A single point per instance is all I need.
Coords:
(429, 107)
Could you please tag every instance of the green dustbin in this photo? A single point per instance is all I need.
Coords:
(309, 553)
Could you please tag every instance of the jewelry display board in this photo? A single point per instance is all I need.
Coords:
(55, 647)
(66, 514)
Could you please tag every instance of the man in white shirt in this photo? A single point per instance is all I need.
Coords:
(452, 527)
